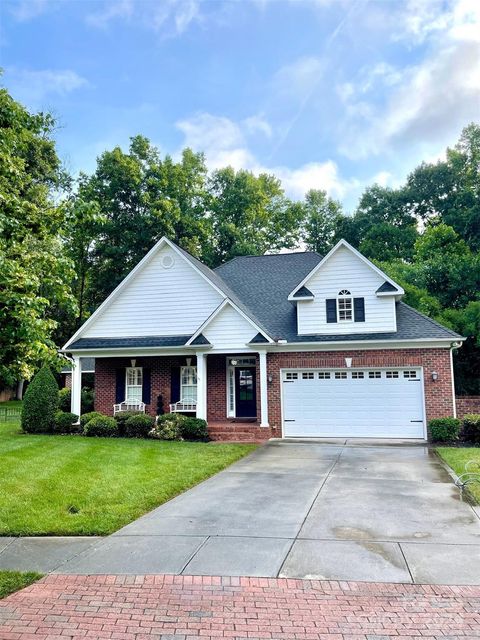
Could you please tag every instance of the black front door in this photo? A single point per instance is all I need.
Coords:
(245, 392)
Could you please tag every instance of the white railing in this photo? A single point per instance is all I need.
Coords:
(184, 406)
(129, 405)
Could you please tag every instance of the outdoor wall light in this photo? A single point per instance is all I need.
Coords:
(434, 376)
(270, 377)
(348, 362)
(233, 362)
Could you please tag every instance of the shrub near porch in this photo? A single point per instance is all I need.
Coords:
(69, 485)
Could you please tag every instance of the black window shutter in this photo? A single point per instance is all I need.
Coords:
(331, 310)
(147, 386)
(359, 309)
(175, 384)
(120, 386)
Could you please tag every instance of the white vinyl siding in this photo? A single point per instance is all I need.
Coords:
(229, 329)
(370, 403)
(158, 301)
(344, 270)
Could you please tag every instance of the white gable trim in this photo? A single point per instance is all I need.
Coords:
(344, 243)
(143, 262)
(212, 316)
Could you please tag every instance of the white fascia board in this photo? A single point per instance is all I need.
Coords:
(132, 352)
(221, 306)
(143, 262)
(344, 243)
(427, 343)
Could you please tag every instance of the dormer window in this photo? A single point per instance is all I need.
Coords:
(345, 306)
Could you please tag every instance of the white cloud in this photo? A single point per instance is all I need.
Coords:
(25, 10)
(298, 79)
(168, 17)
(33, 87)
(224, 143)
(258, 124)
(429, 102)
(120, 9)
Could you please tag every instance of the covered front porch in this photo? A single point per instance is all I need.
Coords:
(229, 391)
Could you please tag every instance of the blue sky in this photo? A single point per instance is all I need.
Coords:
(332, 94)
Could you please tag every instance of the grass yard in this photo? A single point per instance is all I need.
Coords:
(71, 485)
(11, 581)
(457, 458)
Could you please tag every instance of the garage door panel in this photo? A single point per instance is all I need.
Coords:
(358, 406)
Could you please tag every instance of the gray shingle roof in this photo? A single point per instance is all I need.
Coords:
(116, 343)
(264, 283)
(200, 339)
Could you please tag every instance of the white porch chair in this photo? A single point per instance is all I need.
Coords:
(187, 405)
(129, 405)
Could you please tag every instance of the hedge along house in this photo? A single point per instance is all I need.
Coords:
(287, 345)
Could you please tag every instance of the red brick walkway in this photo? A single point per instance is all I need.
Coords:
(184, 607)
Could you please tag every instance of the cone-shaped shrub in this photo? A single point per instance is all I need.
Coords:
(40, 403)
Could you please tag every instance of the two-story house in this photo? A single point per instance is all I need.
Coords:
(288, 345)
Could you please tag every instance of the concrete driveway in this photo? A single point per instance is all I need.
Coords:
(307, 510)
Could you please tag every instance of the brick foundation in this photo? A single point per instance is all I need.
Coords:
(467, 404)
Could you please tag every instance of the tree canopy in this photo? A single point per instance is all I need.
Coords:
(66, 244)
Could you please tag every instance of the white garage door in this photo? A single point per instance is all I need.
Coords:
(353, 403)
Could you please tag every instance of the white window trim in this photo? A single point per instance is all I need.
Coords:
(183, 398)
(345, 296)
(134, 386)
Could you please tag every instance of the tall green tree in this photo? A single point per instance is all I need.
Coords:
(449, 191)
(249, 215)
(323, 218)
(385, 225)
(139, 198)
(35, 274)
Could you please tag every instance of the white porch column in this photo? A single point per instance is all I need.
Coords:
(263, 389)
(76, 386)
(202, 385)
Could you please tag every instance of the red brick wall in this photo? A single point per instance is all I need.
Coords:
(105, 380)
(438, 395)
(467, 404)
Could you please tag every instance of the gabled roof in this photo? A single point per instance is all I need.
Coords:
(200, 339)
(264, 283)
(387, 287)
(303, 292)
(325, 259)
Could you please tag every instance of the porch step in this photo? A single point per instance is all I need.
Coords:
(238, 432)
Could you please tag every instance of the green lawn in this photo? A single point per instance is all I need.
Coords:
(71, 485)
(456, 458)
(11, 581)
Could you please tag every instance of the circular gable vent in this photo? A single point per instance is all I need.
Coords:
(168, 261)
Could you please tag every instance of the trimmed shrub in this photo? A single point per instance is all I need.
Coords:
(40, 403)
(101, 427)
(65, 399)
(65, 422)
(121, 418)
(139, 426)
(444, 429)
(86, 417)
(471, 428)
(168, 427)
(86, 399)
(194, 429)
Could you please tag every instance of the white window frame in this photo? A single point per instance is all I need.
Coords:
(345, 297)
(192, 372)
(137, 386)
